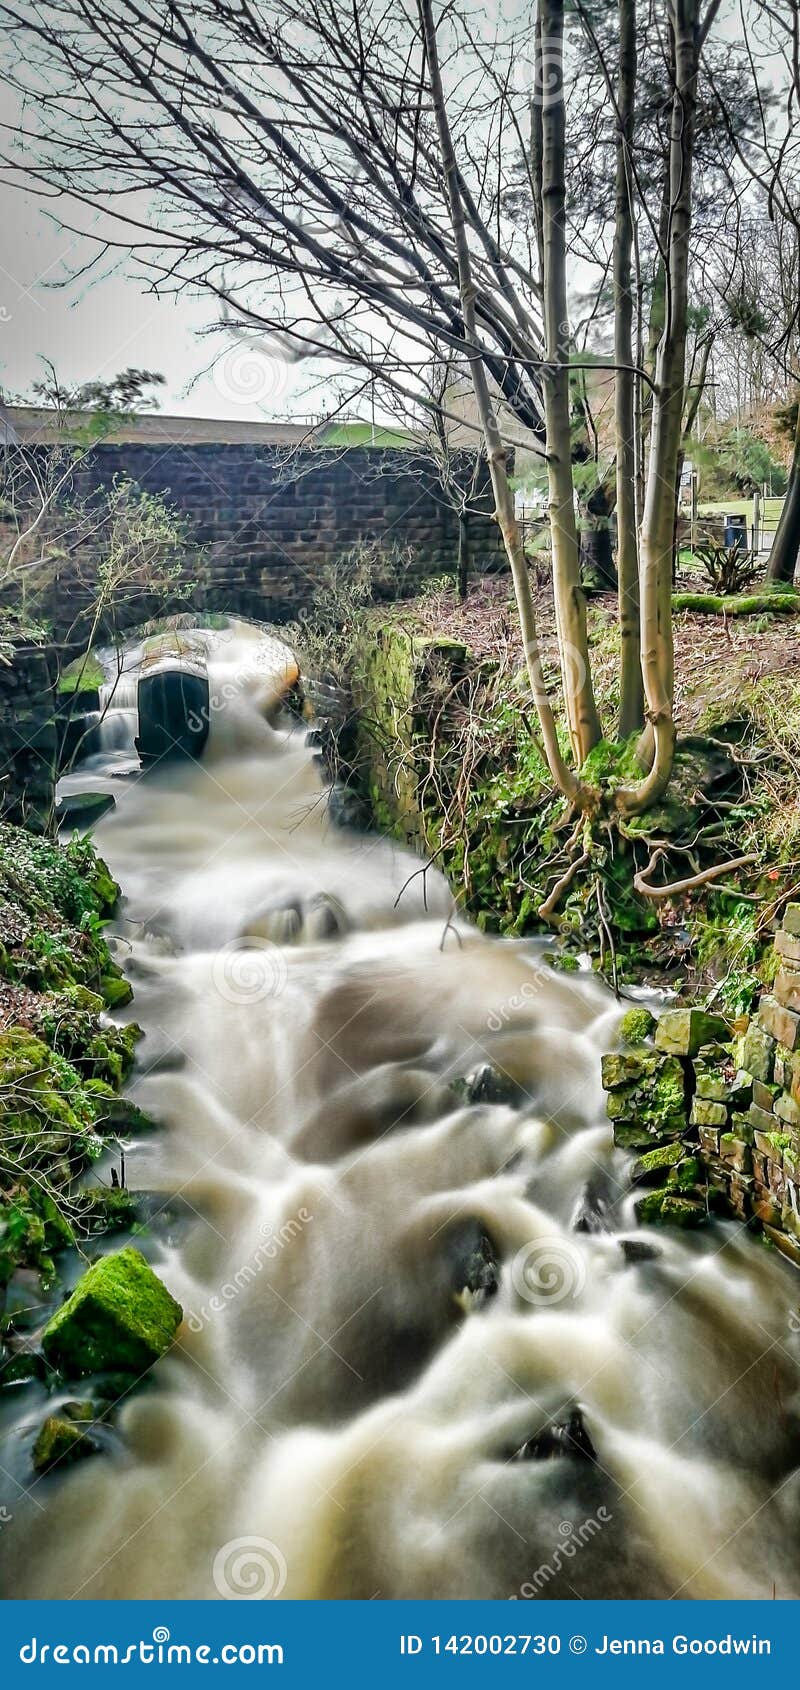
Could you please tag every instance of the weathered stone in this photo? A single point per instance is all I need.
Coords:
(770, 1145)
(704, 1113)
(787, 946)
(736, 1152)
(764, 1207)
(61, 1440)
(651, 1107)
(682, 1032)
(788, 1247)
(758, 1053)
(83, 809)
(486, 1084)
(764, 1096)
(791, 919)
(670, 1208)
(120, 1316)
(709, 1141)
(787, 988)
(717, 1088)
(624, 1068)
(787, 1110)
(782, 1024)
(791, 1164)
(653, 1167)
(762, 1120)
(776, 1182)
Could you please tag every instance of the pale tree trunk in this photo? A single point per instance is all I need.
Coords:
(570, 605)
(631, 702)
(563, 775)
(786, 545)
(658, 524)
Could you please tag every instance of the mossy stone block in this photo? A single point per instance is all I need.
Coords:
(60, 1440)
(652, 1168)
(116, 990)
(120, 1316)
(636, 1026)
(782, 1024)
(791, 919)
(670, 1208)
(758, 1054)
(706, 1113)
(682, 1032)
(626, 1068)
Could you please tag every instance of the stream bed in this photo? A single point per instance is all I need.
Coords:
(426, 1351)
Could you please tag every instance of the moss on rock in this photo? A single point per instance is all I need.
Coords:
(636, 1026)
(120, 1317)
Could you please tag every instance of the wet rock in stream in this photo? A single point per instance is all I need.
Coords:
(568, 1437)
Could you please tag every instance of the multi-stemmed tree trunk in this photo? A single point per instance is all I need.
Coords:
(570, 606)
(631, 701)
(658, 520)
(786, 545)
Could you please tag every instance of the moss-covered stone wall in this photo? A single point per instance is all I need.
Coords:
(28, 737)
(714, 1120)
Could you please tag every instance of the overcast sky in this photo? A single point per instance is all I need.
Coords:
(92, 330)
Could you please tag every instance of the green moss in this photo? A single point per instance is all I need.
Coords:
(59, 1442)
(749, 604)
(636, 1026)
(120, 1317)
(85, 674)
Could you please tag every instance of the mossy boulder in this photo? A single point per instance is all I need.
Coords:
(636, 1026)
(116, 990)
(62, 1439)
(671, 1208)
(120, 1317)
(654, 1166)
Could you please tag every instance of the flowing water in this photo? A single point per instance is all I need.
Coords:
(392, 1324)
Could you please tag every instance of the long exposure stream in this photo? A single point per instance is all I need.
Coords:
(427, 1351)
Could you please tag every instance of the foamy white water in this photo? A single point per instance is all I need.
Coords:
(387, 1303)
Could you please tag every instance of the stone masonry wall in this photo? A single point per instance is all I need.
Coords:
(28, 737)
(268, 520)
(714, 1122)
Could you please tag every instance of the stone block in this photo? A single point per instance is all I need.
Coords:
(736, 1152)
(787, 989)
(787, 1110)
(682, 1032)
(791, 920)
(787, 946)
(705, 1113)
(758, 1053)
(120, 1317)
(764, 1096)
(782, 1024)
